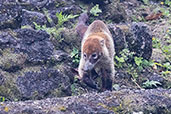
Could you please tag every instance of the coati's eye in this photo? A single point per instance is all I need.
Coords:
(84, 55)
(94, 55)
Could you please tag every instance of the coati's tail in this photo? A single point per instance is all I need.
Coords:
(81, 25)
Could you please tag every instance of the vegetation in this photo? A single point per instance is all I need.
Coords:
(50, 30)
(150, 84)
(133, 68)
(2, 99)
(95, 10)
(75, 56)
(161, 40)
(54, 31)
(63, 18)
(48, 17)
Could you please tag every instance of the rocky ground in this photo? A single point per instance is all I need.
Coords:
(124, 101)
(40, 52)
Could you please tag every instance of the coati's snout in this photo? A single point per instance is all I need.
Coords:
(90, 61)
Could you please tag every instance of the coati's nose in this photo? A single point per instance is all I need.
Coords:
(88, 66)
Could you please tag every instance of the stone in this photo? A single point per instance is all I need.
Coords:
(7, 40)
(1, 79)
(36, 44)
(141, 42)
(146, 101)
(10, 14)
(157, 55)
(136, 37)
(156, 77)
(114, 12)
(28, 17)
(12, 62)
(39, 84)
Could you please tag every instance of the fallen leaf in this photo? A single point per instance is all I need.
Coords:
(6, 109)
(153, 16)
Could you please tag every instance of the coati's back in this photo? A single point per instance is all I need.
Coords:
(96, 27)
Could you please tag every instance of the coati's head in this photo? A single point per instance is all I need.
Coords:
(92, 52)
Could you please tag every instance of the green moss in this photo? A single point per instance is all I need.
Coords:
(10, 92)
(9, 59)
(115, 109)
(26, 26)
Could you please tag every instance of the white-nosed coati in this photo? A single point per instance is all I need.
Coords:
(97, 52)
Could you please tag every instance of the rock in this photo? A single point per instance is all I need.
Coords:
(36, 44)
(61, 56)
(135, 37)
(101, 2)
(114, 12)
(32, 4)
(1, 79)
(141, 42)
(67, 40)
(118, 38)
(39, 84)
(122, 101)
(8, 87)
(10, 14)
(156, 77)
(24, 52)
(7, 40)
(12, 62)
(157, 55)
(28, 17)
(66, 10)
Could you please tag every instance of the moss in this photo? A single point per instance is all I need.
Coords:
(130, 103)
(29, 69)
(26, 26)
(57, 93)
(115, 109)
(35, 95)
(10, 59)
(10, 92)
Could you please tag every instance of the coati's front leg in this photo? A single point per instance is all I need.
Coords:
(88, 79)
(107, 79)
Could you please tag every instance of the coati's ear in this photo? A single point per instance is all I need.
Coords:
(102, 42)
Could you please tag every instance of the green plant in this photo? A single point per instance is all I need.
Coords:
(95, 10)
(146, 2)
(132, 68)
(75, 56)
(50, 30)
(166, 52)
(166, 73)
(63, 18)
(125, 54)
(167, 2)
(150, 84)
(165, 12)
(48, 17)
(120, 61)
(138, 60)
(166, 65)
(2, 99)
(25, 26)
(165, 49)
(166, 68)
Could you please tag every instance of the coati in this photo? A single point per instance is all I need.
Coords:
(97, 52)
